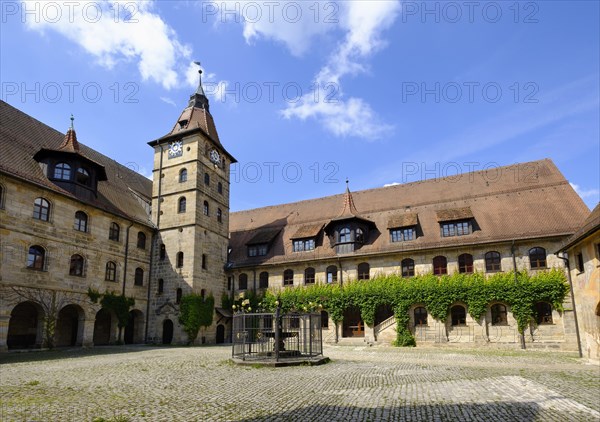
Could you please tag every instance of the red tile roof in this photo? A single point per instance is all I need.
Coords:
(522, 201)
(22, 136)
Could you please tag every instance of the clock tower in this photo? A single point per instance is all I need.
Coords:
(190, 208)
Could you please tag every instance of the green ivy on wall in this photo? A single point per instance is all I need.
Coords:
(117, 303)
(435, 293)
(195, 311)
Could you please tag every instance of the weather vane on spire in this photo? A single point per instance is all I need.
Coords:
(72, 120)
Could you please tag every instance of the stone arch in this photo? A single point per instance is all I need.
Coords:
(134, 331)
(383, 312)
(105, 327)
(353, 325)
(69, 326)
(25, 326)
(220, 334)
(167, 331)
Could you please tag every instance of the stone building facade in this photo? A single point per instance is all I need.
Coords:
(486, 222)
(583, 252)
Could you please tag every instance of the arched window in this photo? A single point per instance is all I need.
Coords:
(178, 295)
(181, 205)
(111, 271)
(179, 260)
(332, 274)
(41, 209)
(219, 215)
(345, 235)
(81, 221)
(220, 187)
(161, 286)
(499, 316)
(324, 319)
(420, 316)
(204, 261)
(408, 267)
(62, 171)
(263, 280)
(243, 281)
(465, 263)
(163, 252)
(83, 176)
(492, 261)
(183, 175)
(543, 312)
(76, 265)
(537, 258)
(364, 270)
(440, 265)
(36, 258)
(309, 275)
(206, 209)
(288, 278)
(360, 236)
(141, 240)
(114, 232)
(139, 277)
(206, 179)
(458, 313)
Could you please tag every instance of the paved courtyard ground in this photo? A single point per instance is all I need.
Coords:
(360, 384)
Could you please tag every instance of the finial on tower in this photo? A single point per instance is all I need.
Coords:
(199, 99)
(72, 120)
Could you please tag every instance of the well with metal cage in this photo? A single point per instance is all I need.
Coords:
(277, 339)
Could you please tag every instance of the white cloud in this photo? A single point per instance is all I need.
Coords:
(586, 193)
(168, 101)
(364, 22)
(387, 185)
(111, 38)
(292, 23)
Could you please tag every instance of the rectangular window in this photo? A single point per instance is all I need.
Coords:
(258, 250)
(402, 235)
(304, 245)
(579, 260)
(457, 228)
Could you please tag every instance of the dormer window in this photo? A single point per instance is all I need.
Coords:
(182, 124)
(345, 235)
(456, 228)
(455, 222)
(62, 171)
(83, 176)
(302, 245)
(403, 227)
(258, 250)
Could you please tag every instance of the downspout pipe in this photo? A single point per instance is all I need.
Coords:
(568, 267)
(126, 256)
(513, 250)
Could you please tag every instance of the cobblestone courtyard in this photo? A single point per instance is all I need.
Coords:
(365, 384)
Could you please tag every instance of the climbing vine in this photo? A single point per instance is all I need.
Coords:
(436, 294)
(195, 311)
(117, 303)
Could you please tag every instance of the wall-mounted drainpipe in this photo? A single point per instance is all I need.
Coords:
(254, 281)
(126, 256)
(568, 267)
(514, 260)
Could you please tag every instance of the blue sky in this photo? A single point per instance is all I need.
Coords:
(305, 94)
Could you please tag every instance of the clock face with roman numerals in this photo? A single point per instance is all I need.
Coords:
(175, 149)
(215, 157)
